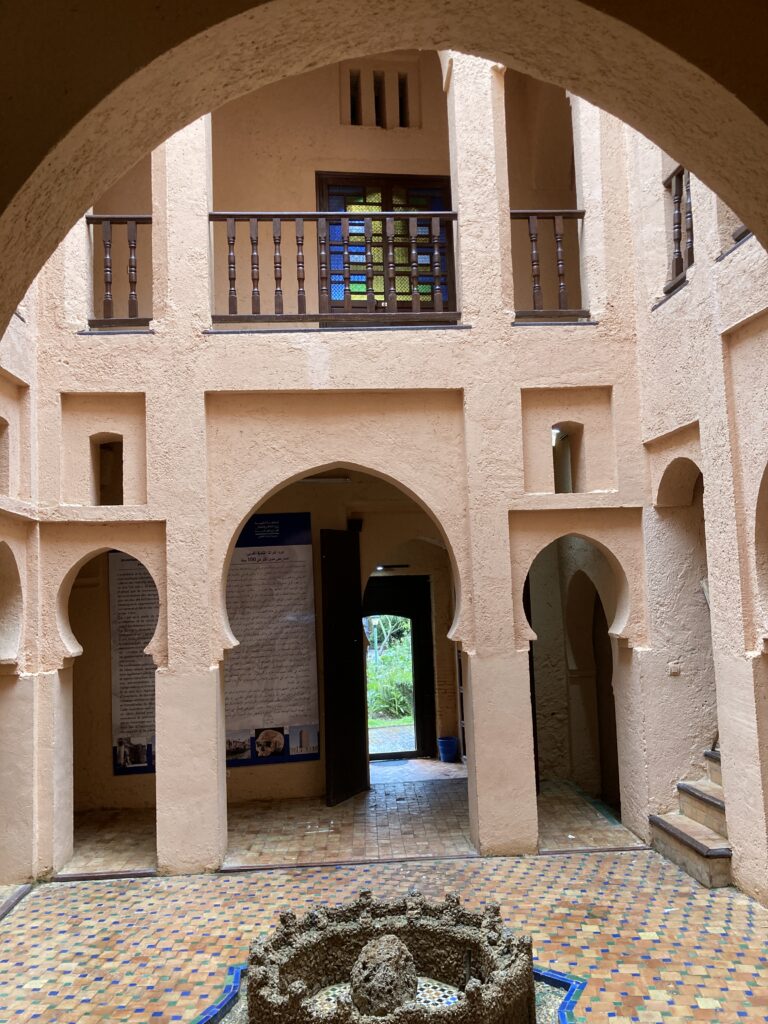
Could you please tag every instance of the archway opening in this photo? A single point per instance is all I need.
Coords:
(113, 612)
(572, 595)
(337, 570)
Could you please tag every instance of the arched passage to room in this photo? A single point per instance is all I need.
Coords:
(113, 612)
(682, 726)
(573, 592)
(299, 785)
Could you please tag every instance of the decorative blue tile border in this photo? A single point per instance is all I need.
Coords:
(228, 996)
(573, 988)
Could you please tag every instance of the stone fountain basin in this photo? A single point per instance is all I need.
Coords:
(488, 965)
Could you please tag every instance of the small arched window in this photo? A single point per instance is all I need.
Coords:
(568, 457)
(107, 464)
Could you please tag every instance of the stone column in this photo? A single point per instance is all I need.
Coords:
(191, 773)
(479, 185)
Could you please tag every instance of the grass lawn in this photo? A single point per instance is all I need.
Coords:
(386, 723)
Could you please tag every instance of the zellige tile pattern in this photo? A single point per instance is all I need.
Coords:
(652, 944)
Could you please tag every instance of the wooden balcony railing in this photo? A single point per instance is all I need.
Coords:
(556, 278)
(392, 266)
(678, 184)
(127, 307)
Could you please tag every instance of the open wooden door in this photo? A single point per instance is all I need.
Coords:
(346, 712)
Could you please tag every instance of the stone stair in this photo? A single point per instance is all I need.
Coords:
(696, 835)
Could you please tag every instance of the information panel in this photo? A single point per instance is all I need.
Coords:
(271, 677)
(133, 610)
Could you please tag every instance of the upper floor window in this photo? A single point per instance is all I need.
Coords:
(680, 226)
(5, 457)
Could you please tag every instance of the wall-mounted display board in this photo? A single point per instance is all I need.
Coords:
(271, 677)
(133, 611)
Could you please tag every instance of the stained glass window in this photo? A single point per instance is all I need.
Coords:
(370, 195)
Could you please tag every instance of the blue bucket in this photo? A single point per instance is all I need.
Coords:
(448, 748)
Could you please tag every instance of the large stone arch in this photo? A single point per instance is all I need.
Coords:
(121, 101)
(228, 638)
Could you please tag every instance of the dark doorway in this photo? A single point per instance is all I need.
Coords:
(409, 598)
(606, 710)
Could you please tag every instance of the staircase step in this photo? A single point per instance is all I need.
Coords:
(704, 801)
(714, 769)
(699, 850)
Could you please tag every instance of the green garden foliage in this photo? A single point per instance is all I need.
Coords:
(389, 667)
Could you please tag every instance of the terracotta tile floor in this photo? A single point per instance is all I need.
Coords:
(415, 808)
(569, 820)
(393, 819)
(109, 841)
(390, 739)
(652, 945)
(419, 769)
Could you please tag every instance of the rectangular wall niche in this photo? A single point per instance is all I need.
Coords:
(568, 440)
(103, 449)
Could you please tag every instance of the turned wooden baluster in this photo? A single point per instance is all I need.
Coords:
(133, 301)
(677, 198)
(391, 290)
(562, 291)
(255, 295)
(322, 241)
(437, 270)
(345, 263)
(301, 295)
(106, 238)
(413, 233)
(231, 268)
(688, 221)
(533, 234)
(370, 297)
(277, 238)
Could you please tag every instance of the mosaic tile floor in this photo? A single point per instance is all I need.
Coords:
(403, 815)
(652, 944)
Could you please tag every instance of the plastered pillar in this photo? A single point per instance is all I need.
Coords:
(502, 792)
(191, 779)
(479, 184)
(598, 143)
(499, 719)
(54, 793)
(17, 756)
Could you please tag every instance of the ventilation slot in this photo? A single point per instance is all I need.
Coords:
(355, 103)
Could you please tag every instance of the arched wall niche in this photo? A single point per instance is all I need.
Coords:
(170, 72)
(11, 608)
(228, 637)
(677, 484)
(70, 646)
